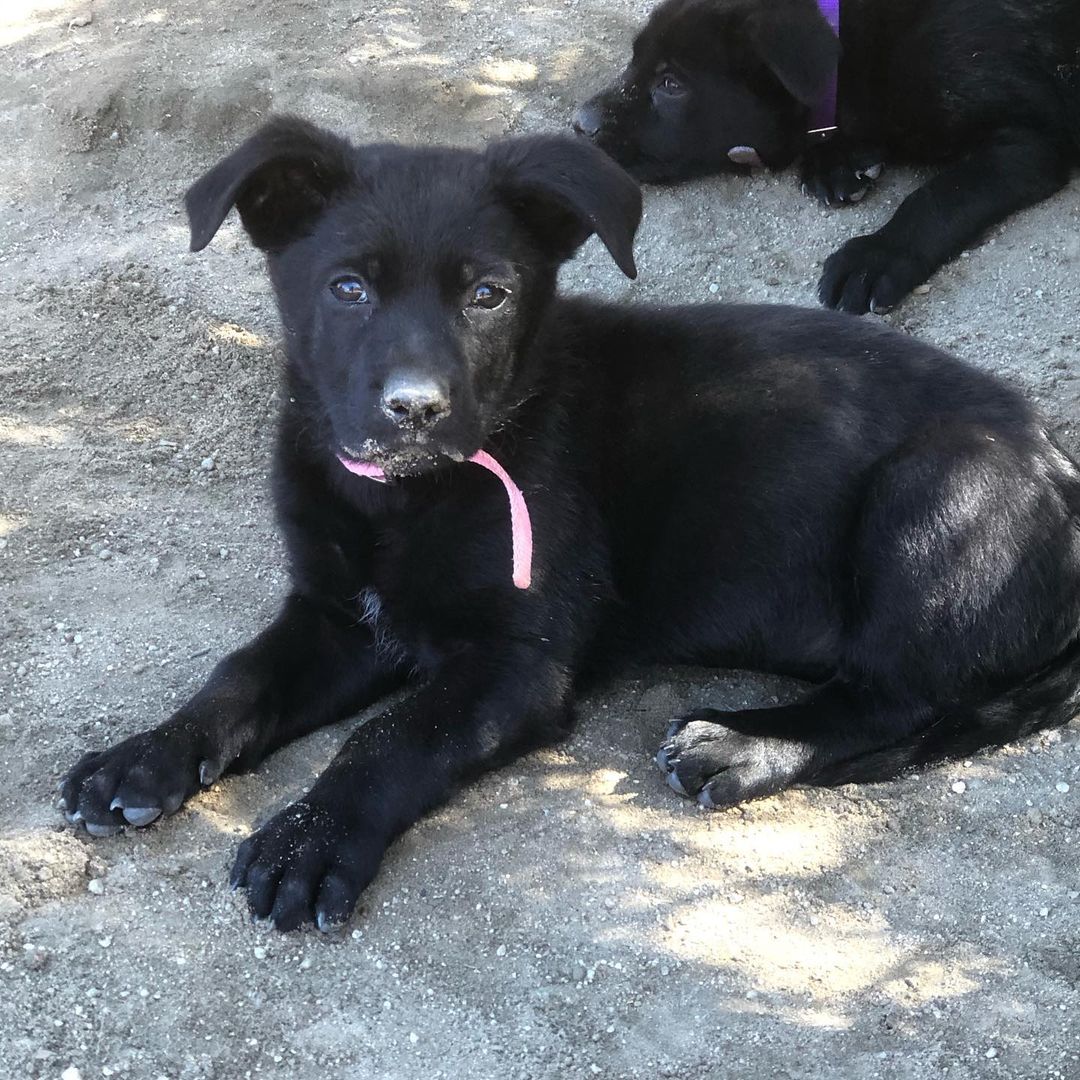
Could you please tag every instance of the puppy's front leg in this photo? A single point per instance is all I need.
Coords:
(490, 702)
(839, 170)
(1016, 168)
(308, 668)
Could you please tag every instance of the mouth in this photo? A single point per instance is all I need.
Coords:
(387, 463)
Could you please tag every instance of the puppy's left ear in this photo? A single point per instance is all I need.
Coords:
(799, 47)
(565, 189)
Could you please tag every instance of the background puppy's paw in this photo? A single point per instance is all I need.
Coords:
(136, 781)
(306, 866)
(835, 174)
(869, 274)
(707, 761)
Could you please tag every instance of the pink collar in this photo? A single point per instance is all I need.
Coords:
(520, 523)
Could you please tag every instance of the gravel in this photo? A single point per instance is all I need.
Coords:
(894, 931)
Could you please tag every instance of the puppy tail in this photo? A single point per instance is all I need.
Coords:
(1048, 698)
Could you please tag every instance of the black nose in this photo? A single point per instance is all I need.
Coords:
(587, 120)
(414, 401)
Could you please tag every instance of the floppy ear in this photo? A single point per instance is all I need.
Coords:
(279, 179)
(799, 47)
(566, 189)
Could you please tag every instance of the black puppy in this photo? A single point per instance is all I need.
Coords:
(767, 487)
(991, 89)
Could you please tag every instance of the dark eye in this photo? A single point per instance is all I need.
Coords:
(669, 84)
(488, 296)
(349, 290)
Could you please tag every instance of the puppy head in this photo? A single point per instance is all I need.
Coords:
(707, 76)
(410, 281)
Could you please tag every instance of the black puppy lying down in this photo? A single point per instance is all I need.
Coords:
(767, 487)
(991, 88)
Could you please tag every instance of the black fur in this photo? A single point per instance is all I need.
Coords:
(768, 487)
(990, 89)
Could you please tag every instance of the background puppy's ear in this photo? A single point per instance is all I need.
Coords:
(566, 189)
(799, 47)
(279, 180)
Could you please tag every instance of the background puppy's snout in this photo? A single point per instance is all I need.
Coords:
(587, 119)
(415, 401)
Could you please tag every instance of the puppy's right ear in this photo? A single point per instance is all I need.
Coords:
(279, 180)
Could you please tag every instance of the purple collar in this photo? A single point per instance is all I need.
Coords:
(823, 118)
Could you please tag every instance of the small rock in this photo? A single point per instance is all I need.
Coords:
(37, 960)
(991, 1053)
(96, 886)
(578, 972)
(260, 952)
(1062, 787)
(501, 950)
(921, 290)
(207, 464)
(71, 1073)
(958, 786)
(84, 18)
(104, 554)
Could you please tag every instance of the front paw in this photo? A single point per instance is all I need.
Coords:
(721, 767)
(870, 274)
(139, 779)
(835, 174)
(306, 865)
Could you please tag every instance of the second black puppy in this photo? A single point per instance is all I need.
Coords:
(990, 89)
(765, 487)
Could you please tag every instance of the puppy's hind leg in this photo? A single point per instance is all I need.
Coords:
(961, 623)
(722, 759)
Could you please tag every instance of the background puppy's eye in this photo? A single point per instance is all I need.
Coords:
(349, 290)
(488, 296)
(669, 84)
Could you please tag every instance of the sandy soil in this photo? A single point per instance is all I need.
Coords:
(568, 917)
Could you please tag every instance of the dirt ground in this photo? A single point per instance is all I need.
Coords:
(568, 917)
